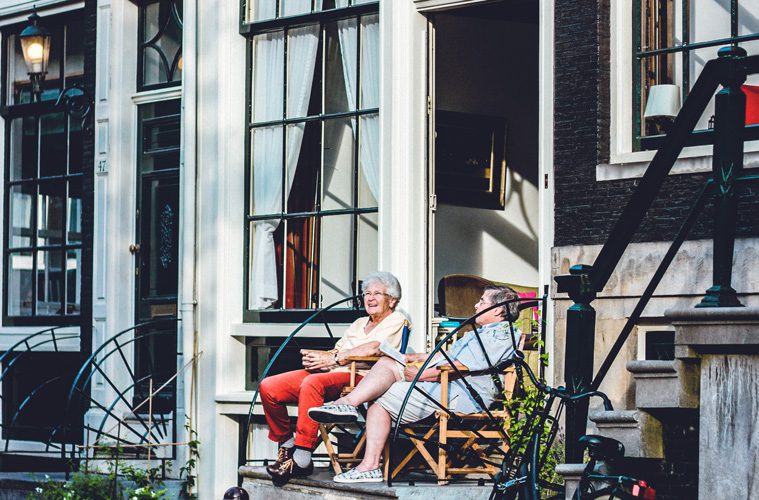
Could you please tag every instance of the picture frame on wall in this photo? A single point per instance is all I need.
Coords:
(470, 159)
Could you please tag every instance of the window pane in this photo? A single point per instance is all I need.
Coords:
(261, 10)
(295, 7)
(50, 283)
(19, 92)
(162, 42)
(50, 213)
(266, 156)
(268, 76)
(52, 144)
(367, 244)
(75, 145)
(20, 284)
(74, 212)
(73, 281)
(340, 66)
(369, 61)
(303, 166)
(265, 264)
(338, 164)
(74, 51)
(337, 257)
(20, 217)
(368, 161)
(23, 146)
(302, 46)
(302, 263)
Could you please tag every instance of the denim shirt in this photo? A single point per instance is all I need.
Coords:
(496, 339)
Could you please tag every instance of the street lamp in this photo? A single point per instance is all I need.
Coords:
(35, 44)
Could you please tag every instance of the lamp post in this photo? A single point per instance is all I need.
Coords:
(35, 45)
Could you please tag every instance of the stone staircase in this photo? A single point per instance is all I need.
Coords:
(713, 381)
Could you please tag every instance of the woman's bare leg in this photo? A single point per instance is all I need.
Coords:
(377, 430)
(383, 374)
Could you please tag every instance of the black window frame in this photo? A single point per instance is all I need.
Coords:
(249, 31)
(640, 141)
(9, 112)
(142, 46)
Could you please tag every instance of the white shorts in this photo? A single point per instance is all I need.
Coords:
(417, 408)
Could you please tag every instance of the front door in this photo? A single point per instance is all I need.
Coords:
(156, 250)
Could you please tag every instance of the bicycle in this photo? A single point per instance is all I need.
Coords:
(519, 475)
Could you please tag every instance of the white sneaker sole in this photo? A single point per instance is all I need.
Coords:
(362, 480)
(328, 417)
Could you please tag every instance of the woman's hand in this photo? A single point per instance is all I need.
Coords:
(317, 361)
(409, 372)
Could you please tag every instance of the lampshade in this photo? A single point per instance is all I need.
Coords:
(663, 100)
(35, 45)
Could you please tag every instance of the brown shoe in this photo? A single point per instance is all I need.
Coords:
(283, 454)
(289, 469)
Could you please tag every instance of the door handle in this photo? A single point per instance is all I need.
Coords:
(134, 248)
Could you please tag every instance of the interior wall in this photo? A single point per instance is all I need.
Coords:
(490, 67)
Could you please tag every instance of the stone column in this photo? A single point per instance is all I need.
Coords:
(726, 340)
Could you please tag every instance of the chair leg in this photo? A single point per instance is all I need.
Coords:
(333, 459)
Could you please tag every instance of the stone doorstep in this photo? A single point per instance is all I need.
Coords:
(665, 384)
(319, 485)
(640, 432)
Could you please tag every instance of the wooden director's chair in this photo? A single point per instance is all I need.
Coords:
(476, 433)
(351, 432)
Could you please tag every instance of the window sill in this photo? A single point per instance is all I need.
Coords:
(696, 159)
(241, 330)
(9, 336)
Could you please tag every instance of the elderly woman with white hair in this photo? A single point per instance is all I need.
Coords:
(325, 375)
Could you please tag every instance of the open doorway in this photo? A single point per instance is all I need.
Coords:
(485, 87)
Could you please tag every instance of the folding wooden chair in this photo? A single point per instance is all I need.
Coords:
(475, 435)
(358, 438)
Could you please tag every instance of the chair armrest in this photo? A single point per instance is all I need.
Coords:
(363, 358)
(449, 368)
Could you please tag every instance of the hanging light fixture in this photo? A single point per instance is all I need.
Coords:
(35, 45)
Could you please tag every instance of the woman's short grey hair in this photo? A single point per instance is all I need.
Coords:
(390, 282)
(500, 294)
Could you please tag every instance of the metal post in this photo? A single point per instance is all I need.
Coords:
(578, 349)
(727, 163)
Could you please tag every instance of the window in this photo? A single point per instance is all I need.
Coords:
(313, 166)
(675, 39)
(160, 46)
(43, 186)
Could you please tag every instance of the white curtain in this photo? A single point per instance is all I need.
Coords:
(267, 142)
(369, 95)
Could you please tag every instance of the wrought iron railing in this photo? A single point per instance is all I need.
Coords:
(585, 281)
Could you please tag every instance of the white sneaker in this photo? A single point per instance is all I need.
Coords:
(357, 476)
(333, 414)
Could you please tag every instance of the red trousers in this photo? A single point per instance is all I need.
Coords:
(307, 390)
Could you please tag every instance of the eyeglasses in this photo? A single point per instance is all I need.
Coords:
(374, 294)
(484, 302)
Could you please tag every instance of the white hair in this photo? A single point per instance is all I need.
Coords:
(390, 282)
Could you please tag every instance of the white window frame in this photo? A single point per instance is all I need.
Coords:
(624, 163)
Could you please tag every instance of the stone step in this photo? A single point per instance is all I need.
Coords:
(640, 432)
(319, 485)
(665, 384)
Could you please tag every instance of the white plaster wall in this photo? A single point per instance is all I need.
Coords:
(490, 67)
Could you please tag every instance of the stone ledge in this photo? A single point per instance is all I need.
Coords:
(665, 384)
(640, 432)
(719, 330)
(319, 485)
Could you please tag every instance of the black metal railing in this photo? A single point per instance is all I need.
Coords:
(585, 281)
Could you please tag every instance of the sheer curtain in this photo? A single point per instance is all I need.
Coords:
(369, 95)
(267, 142)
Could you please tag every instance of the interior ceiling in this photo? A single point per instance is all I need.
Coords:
(525, 11)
